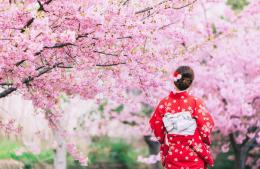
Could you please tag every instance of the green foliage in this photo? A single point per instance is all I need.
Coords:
(237, 4)
(119, 108)
(30, 159)
(73, 164)
(222, 161)
(8, 149)
(102, 106)
(112, 151)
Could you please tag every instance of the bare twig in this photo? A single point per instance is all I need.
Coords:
(150, 8)
(104, 53)
(188, 4)
(113, 64)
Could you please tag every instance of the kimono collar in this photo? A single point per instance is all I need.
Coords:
(183, 93)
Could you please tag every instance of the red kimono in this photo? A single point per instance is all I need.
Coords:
(182, 125)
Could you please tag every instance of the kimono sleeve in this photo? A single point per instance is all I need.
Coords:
(204, 121)
(156, 123)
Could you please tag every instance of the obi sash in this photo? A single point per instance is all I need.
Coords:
(180, 123)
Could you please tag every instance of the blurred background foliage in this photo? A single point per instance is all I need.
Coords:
(237, 4)
(103, 153)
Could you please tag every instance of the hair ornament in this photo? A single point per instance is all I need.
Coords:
(176, 76)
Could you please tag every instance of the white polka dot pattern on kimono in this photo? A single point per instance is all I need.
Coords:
(180, 153)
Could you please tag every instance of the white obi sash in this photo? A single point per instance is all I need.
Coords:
(180, 123)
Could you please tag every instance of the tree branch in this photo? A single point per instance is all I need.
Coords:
(114, 64)
(6, 84)
(47, 2)
(144, 10)
(104, 53)
(41, 8)
(7, 91)
(28, 23)
(20, 62)
(59, 45)
(29, 79)
(188, 4)
(124, 3)
(150, 8)
(126, 37)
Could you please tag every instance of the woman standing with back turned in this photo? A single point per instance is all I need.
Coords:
(182, 125)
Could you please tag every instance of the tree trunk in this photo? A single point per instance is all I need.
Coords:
(60, 153)
(240, 152)
(153, 150)
(240, 159)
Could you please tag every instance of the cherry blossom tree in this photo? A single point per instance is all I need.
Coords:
(226, 69)
(102, 49)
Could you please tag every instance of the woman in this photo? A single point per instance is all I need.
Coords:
(182, 125)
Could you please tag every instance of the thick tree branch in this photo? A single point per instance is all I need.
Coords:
(47, 2)
(7, 92)
(6, 84)
(20, 62)
(29, 79)
(28, 23)
(41, 8)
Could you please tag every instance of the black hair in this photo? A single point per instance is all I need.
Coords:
(187, 77)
